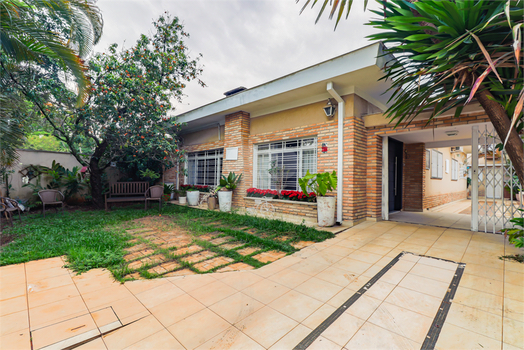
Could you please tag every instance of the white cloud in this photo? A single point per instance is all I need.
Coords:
(243, 42)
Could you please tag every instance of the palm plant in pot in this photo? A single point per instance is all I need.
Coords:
(225, 190)
(320, 184)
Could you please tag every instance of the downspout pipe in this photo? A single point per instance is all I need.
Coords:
(340, 153)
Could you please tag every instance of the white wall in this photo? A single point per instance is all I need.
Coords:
(446, 185)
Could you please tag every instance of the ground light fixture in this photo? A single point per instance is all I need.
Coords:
(329, 109)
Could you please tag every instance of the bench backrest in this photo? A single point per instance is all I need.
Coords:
(128, 188)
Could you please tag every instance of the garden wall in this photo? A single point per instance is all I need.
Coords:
(299, 210)
(30, 157)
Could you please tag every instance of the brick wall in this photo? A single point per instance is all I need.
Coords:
(440, 199)
(299, 209)
(413, 177)
(374, 168)
(237, 135)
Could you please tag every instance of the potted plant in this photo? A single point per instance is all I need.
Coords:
(168, 190)
(193, 196)
(212, 200)
(182, 199)
(225, 190)
(320, 184)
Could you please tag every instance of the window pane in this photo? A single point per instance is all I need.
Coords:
(291, 144)
(210, 172)
(201, 172)
(309, 162)
(308, 142)
(290, 171)
(262, 171)
(263, 147)
(277, 145)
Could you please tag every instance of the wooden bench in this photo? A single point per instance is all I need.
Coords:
(127, 192)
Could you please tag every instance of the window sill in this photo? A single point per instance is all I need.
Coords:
(283, 201)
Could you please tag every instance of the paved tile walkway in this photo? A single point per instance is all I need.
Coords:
(278, 305)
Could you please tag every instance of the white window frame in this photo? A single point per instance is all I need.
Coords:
(454, 170)
(217, 154)
(269, 150)
(436, 164)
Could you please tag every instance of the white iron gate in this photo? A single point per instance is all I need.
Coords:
(492, 172)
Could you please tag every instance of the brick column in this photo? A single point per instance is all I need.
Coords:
(413, 177)
(374, 176)
(354, 204)
(237, 131)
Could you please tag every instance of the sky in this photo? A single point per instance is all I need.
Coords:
(242, 42)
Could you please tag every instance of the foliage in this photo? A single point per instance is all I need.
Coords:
(43, 141)
(27, 36)
(70, 182)
(5, 173)
(516, 235)
(149, 175)
(277, 174)
(127, 111)
(299, 196)
(257, 193)
(200, 188)
(513, 185)
(168, 189)
(230, 182)
(319, 183)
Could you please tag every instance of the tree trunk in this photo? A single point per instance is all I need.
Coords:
(500, 120)
(96, 175)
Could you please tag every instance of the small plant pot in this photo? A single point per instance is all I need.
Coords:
(326, 211)
(225, 199)
(211, 203)
(192, 198)
(182, 200)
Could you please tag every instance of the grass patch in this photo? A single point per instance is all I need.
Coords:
(96, 239)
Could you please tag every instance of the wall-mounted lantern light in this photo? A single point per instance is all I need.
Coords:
(329, 109)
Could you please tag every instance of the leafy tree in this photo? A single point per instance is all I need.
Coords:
(32, 32)
(448, 52)
(44, 142)
(127, 110)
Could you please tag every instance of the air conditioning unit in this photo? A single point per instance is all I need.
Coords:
(456, 149)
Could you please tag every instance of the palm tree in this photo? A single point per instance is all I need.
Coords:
(33, 31)
(449, 52)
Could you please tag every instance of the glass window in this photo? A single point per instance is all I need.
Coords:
(437, 166)
(204, 168)
(281, 164)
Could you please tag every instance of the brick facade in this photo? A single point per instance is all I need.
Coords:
(440, 199)
(362, 171)
(413, 177)
(281, 207)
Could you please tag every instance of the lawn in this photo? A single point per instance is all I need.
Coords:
(136, 244)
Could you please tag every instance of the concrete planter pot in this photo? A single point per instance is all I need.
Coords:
(211, 203)
(182, 200)
(326, 211)
(192, 198)
(224, 199)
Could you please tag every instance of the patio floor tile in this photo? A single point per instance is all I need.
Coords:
(47, 314)
(289, 278)
(136, 287)
(296, 305)
(133, 333)
(480, 300)
(322, 343)
(266, 326)
(425, 285)
(19, 340)
(514, 309)
(212, 293)
(176, 309)
(371, 336)
(400, 321)
(235, 267)
(319, 289)
(189, 331)
(436, 273)
(236, 307)
(291, 339)
(159, 295)
(319, 316)
(64, 334)
(352, 265)
(240, 280)
(513, 333)
(232, 338)
(10, 306)
(513, 291)
(182, 272)
(159, 340)
(456, 338)
(192, 282)
(343, 329)
(14, 322)
(475, 320)
(51, 295)
(265, 291)
(418, 302)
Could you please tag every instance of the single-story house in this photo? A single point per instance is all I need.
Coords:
(380, 168)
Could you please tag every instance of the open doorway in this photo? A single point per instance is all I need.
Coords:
(395, 164)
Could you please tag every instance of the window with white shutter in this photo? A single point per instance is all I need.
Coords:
(437, 166)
